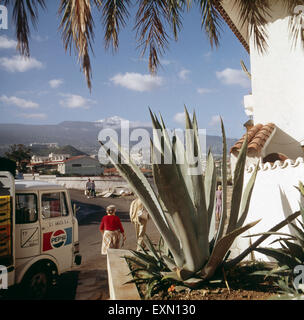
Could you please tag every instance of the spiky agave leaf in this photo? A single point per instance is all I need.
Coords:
(246, 198)
(220, 250)
(173, 192)
(210, 185)
(282, 256)
(197, 179)
(223, 217)
(237, 187)
(145, 192)
(276, 228)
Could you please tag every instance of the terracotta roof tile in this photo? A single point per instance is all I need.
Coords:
(257, 137)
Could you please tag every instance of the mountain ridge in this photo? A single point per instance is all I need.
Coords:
(79, 134)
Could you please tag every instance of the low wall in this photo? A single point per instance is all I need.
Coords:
(274, 198)
(79, 183)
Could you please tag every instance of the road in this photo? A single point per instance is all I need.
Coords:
(89, 281)
(92, 282)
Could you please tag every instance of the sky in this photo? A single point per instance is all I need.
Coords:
(49, 87)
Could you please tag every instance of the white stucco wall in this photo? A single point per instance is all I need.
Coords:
(277, 87)
(79, 183)
(84, 166)
(273, 199)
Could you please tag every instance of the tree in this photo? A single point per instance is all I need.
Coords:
(20, 154)
(8, 165)
(155, 20)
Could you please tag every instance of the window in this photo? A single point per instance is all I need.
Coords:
(76, 165)
(26, 208)
(54, 205)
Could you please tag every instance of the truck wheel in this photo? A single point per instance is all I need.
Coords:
(37, 283)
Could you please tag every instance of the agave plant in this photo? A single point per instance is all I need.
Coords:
(182, 207)
(291, 253)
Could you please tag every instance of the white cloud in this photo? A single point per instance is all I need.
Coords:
(20, 64)
(180, 118)
(21, 103)
(6, 43)
(233, 77)
(183, 74)
(137, 82)
(215, 120)
(55, 83)
(74, 101)
(38, 116)
(204, 90)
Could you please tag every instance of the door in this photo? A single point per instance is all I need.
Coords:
(56, 228)
(27, 226)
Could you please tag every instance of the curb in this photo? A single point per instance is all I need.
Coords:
(118, 275)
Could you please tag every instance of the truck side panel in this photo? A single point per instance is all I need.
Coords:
(7, 223)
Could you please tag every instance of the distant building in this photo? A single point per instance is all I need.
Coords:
(47, 144)
(58, 157)
(82, 165)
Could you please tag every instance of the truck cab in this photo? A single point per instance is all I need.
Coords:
(44, 235)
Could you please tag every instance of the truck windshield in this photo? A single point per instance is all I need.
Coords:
(54, 205)
(26, 208)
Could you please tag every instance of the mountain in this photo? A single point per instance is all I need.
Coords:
(82, 135)
(46, 150)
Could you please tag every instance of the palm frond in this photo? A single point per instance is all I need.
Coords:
(77, 30)
(150, 30)
(211, 20)
(114, 15)
(255, 13)
(21, 10)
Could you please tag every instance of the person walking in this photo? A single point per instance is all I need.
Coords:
(93, 192)
(139, 217)
(88, 188)
(111, 230)
(218, 207)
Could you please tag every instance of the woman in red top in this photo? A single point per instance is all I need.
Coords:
(111, 228)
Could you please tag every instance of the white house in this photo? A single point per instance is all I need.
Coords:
(276, 137)
(82, 165)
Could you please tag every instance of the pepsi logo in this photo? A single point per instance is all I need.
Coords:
(58, 238)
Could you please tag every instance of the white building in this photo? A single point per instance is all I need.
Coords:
(276, 138)
(81, 165)
(58, 157)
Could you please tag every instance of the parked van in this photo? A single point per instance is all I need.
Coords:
(38, 234)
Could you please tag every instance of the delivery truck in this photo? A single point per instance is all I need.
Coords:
(38, 235)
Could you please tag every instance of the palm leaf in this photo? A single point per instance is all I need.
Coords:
(77, 31)
(114, 15)
(21, 10)
(150, 30)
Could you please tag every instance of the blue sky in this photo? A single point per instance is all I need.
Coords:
(50, 88)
